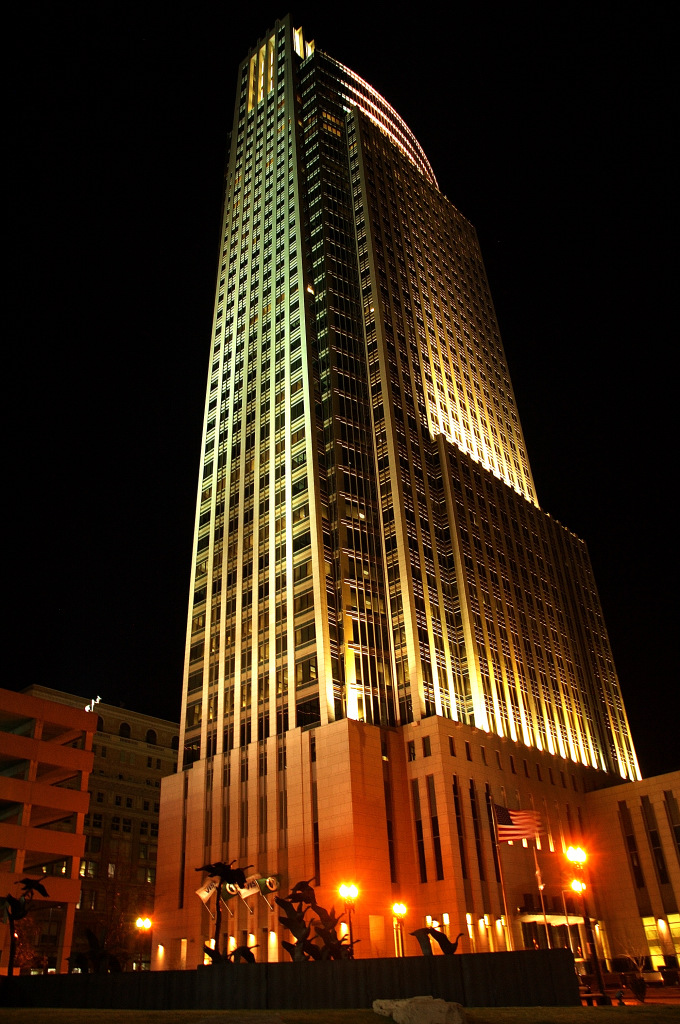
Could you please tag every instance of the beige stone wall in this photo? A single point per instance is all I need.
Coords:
(349, 771)
(623, 902)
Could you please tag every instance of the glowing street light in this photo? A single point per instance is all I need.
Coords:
(578, 857)
(398, 915)
(349, 894)
(143, 926)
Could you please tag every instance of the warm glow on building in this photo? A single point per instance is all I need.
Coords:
(374, 582)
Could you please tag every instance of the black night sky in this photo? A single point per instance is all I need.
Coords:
(548, 125)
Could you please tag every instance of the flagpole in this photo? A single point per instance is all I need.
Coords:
(500, 872)
(539, 882)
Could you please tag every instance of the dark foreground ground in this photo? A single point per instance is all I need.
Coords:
(664, 1011)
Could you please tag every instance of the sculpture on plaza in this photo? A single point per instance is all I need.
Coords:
(326, 944)
(17, 908)
(423, 935)
(224, 874)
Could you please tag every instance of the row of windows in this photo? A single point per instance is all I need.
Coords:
(426, 747)
(125, 731)
(94, 869)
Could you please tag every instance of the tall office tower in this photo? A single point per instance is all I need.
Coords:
(369, 550)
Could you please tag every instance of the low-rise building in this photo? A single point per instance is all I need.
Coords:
(45, 763)
(635, 832)
(117, 868)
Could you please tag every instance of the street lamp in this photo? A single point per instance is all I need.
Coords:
(143, 926)
(578, 857)
(349, 894)
(566, 918)
(398, 915)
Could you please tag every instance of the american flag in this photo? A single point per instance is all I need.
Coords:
(516, 824)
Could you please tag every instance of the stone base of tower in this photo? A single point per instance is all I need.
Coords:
(403, 813)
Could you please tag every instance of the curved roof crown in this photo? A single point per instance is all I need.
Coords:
(358, 93)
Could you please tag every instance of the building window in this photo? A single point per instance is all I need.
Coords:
(411, 750)
(427, 748)
(111, 870)
(477, 830)
(124, 730)
(452, 747)
(673, 815)
(631, 844)
(434, 822)
(420, 839)
(151, 736)
(459, 826)
(654, 840)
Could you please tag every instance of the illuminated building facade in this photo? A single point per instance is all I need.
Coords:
(45, 764)
(371, 565)
(117, 869)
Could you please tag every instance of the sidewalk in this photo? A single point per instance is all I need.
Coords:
(656, 995)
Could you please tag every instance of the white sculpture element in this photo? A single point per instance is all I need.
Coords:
(420, 1010)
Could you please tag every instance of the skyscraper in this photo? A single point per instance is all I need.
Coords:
(370, 556)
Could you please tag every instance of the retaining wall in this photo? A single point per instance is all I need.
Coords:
(522, 978)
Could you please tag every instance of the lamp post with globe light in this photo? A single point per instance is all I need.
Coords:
(143, 926)
(349, 894)
(398, 915)
(578, 857)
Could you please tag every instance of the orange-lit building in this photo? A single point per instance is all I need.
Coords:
(45, 763)
(117, 871)
(634, 832)
(387, 636)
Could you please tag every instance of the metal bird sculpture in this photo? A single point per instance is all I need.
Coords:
(423, 937)
(17, 908)
(243, 953)
(448, 948)
(302, 892)
(31, 886)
